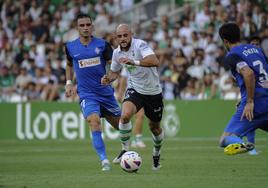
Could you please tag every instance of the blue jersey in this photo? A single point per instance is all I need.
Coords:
(249, 55)
(89, 63)
(256, 60)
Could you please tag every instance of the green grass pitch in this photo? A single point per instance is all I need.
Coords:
(185, 163)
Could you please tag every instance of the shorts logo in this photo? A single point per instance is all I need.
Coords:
(128, 93)
(83, 63)
(157, 110)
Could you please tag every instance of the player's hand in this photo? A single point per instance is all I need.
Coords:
(69, 90)
(105, 80)
(248, 111)
(127, 61)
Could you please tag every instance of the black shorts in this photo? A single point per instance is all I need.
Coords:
(152, 104)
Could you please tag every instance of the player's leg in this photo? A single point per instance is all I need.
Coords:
(91, 111)
(233, 144)
(251, 139)
(97, 141)
(157, 136)
(153, 109)
(113, 120)
(137, 130)
(231, 138)
(110, 110)
(125, 127)
(131, 104)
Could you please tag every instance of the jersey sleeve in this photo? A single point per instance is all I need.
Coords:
(68, 54)
(145, 49)
(235, 62)
(115, 66)
(108, 52)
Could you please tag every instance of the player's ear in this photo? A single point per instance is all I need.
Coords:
(226, 42)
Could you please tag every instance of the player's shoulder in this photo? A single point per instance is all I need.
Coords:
(141, 45)
(116, 50)
(72, 42)
(139, 42)
(97, 39)
(233, 56)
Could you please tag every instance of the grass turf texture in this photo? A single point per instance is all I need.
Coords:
(185, 163)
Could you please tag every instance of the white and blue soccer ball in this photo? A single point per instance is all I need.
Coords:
(131, 161)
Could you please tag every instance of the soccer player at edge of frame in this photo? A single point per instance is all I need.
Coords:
(87, 57)
(144, 90)
(250, 69)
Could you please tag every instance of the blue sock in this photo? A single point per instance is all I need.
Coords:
(251, 137)
(98, 144)
(231, 140)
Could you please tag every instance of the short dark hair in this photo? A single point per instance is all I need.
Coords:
(81, 15)
(255, 37)
(230, 32)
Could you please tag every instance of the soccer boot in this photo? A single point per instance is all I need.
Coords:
(237, 148)
(156, 164)
(105, 164)
(117, 160)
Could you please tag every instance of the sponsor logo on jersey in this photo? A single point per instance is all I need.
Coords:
(83, 63)
(130, 68)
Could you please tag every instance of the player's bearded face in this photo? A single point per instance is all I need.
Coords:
(124, 39)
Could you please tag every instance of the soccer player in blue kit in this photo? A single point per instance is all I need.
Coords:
(250, 69)
(87, 56)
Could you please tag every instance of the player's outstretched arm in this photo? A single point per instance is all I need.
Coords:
(69, 88)
(110, 77)
(249, 79)
(148, 61)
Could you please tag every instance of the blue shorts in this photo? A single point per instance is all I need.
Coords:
(103, 106)
(260, 120)
(241, 128)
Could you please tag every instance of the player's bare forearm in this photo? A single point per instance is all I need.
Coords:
(148, 61)
(110, 77)
(69, 88)
(69, 71)
(122, 88)
(249, 78)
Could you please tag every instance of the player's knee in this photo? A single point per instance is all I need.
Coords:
(94, 124)
(156, 130)
(125, 118)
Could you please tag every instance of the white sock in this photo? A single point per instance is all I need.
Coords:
(157, 140)
(125, 133)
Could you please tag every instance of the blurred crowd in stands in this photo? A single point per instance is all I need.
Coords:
(33, 33)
